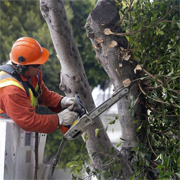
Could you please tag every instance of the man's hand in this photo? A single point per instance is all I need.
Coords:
(68, 102)
(67, 117)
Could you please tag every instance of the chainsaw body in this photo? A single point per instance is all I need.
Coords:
(87, 119)
(84, 120)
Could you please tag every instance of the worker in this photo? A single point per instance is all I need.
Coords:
(22, 90)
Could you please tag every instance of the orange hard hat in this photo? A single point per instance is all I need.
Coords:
(30, 52)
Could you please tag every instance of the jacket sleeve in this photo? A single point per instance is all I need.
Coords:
(49, 98)
(15, 103)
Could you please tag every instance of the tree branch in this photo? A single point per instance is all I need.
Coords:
(151, 147)
(118, 23)
(167, 13)
(152, 76)
(157, 100)
(143, 29)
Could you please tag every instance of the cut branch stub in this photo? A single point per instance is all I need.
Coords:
(113, 44)
(127, 82)
(137, 68)
(107, 31)
(101, 14)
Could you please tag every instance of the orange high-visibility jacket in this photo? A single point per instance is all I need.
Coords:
(15, 104)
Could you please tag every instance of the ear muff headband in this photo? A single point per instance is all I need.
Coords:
(20, 68)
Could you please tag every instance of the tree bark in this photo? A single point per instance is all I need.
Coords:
(73, 81)
(117, 60)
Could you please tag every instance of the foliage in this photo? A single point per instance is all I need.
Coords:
(81, 169)
(70, 151)
(153, 32)
(156, 46)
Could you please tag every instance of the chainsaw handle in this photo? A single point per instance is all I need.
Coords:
(64, 129)
(79, 108)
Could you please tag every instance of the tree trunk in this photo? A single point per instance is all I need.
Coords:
(117, 60)
(73, 81)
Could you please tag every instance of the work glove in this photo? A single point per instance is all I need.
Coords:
(67, 117)
(68, 102)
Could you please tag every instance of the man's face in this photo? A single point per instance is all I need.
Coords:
(33, 70)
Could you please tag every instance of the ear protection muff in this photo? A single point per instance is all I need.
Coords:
(20, 68)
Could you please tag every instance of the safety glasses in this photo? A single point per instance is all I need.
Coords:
(36, 65)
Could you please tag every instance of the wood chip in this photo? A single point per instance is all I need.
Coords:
(117, 71)
(138, 67)
(113, 44)
(95, 47)
(126, 56)
(126, 82)
(99, 40)
(107, 31)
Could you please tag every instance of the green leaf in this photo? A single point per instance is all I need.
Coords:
(178, 24)
(117, 117)
(88, 170)
(132, 177)
(166, 163)
(72, 164)
(112, 122)
(118, 144)
(96, 132)
(135, 121)
(134, 149)
(160, 167)
(178, 174)
(131, 101)
(139, 128)
(177, 106)
(164, 90)
(147, 163)
(99, 177)
(127, 37)
(132, 112)
(171, 100)
(155, 85)
(142, 78)
(160, 32)
(86, 136)
(178, 161)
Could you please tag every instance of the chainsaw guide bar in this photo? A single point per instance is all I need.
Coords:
(81, 124)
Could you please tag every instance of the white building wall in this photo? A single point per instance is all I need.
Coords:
(113, 130)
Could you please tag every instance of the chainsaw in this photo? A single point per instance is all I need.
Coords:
(85, 120)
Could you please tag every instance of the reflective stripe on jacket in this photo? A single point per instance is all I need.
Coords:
(7, 80)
